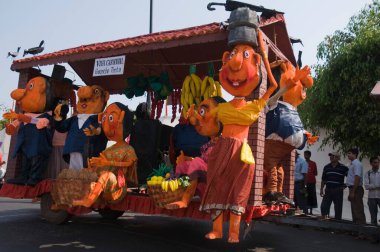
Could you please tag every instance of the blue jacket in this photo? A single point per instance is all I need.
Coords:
(77, 141)
(284, 121)
(32, 141)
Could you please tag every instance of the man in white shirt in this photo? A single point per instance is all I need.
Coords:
(355, 185)
(372, 184)
(300, 183)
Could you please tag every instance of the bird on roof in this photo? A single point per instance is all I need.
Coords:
(299, 60)
(14, 54)
(295, 40)
(35, 50)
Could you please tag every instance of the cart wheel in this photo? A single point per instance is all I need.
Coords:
(55, 217)
(110, 214)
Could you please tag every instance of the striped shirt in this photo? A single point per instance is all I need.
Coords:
(334, 176)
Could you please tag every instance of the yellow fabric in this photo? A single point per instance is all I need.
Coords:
(246, 155)
(246, 115)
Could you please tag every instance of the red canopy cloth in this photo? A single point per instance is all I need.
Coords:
(26, 192)
(135, 203)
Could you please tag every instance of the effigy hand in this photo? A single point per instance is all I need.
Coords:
(92, 131)
(11, 115)
(10, 129)
(57, 112)
(100, 161)
(301, 73)
(42, 123)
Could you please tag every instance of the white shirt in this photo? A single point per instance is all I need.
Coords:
(82, 118)
(372, 183)
(354, 169)
(300, 169)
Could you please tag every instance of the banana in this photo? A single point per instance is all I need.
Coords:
(162, 185)
(198, 83)
(192, 87)
(218, 88)
(204, 85)
(171, 185)
(206, 94)
(182, 98)
(186, 99)
(176, 184)
(191, 99)
(186, 84)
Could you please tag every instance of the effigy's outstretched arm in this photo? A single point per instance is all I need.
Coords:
(273, 83)
(102, 161)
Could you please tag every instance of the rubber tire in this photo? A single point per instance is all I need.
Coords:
(55, 217)
(110, 214)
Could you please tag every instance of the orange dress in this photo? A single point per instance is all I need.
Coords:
(114, 189)
(229, 179)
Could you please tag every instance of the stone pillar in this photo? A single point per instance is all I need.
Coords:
(256, 139)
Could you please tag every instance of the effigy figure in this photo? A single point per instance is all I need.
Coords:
(284, 130)
(78, 147)
(231, 164)
(35, 126)
(116, 166)
(206, 124)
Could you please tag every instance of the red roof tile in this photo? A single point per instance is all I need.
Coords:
(158, 37)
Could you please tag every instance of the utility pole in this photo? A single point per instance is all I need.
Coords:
(149, 105)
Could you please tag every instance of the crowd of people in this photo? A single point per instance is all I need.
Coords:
(336, 177)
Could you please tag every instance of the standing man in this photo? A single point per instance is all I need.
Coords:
(333, 178)
(372, 184)
(300, 183)
(355, 185)
(311, 181)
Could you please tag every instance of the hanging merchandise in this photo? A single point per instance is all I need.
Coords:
(175, 99)
(210, 87)
(160, 85)
(136, 86)
(191, 90)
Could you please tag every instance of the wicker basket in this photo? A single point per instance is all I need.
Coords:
(162, 198)
(72, 185)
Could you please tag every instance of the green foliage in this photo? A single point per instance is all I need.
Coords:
(3, 121)
(348, 70)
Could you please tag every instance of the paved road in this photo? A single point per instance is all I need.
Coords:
(23, 230)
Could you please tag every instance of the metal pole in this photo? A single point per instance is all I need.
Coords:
(148, 103)
(151, 17)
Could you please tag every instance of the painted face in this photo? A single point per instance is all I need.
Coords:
(91, 99)
(207, 123)
(239, 75)
(32, 99)
(297, 94)
(112, 122)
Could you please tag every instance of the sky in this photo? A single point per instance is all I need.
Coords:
(71, 23)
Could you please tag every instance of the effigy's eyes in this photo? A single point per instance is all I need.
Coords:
(202, 111)
(104, 118)
(31, 85)
(246, 54)
(110, 118)
(97, 92)
(232, 54)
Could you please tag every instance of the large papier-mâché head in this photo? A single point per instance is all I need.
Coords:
(91, 99)
(239, 74)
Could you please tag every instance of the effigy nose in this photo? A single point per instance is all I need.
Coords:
(236, 62)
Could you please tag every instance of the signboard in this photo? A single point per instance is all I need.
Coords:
(109, 66)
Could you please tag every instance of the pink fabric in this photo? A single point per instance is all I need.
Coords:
(189, 167)
(59, 138)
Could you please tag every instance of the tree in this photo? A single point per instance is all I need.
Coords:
(347, 70)
(3, 121)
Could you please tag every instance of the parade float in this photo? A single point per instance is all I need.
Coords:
(176, 68)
